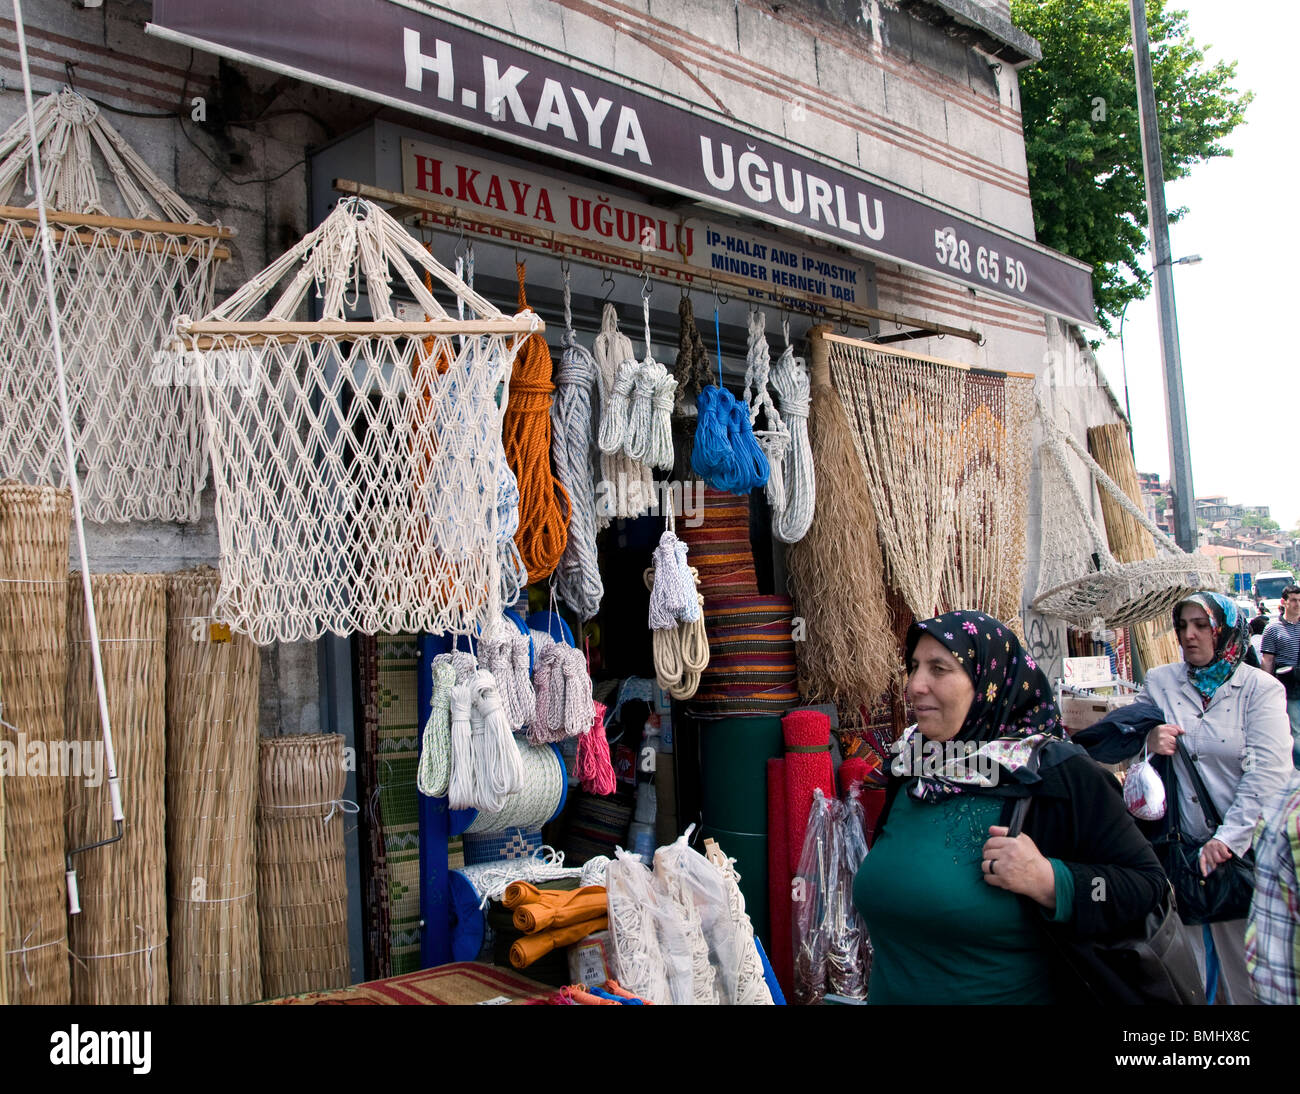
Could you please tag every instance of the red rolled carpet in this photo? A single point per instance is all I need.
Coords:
(781, 950)
(807, 768)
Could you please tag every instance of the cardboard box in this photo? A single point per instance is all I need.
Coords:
(1078, 712)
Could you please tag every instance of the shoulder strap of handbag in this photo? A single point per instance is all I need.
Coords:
(1212, 815)
(1018, 812)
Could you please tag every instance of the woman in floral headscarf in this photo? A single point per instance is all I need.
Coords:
(1233, 722)
(957, 909)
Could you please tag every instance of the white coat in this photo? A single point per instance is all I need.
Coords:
(1241, 744)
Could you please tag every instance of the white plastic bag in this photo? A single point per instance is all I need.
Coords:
(651, 951)
(1144, 793)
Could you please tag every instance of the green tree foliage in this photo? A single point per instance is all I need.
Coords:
(1083, 140)
(1253, 520)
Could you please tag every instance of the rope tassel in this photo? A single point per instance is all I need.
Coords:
(592, 766)
(434, 776)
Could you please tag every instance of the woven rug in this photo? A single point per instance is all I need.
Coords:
(751, 657)
(719, 546)
(375, 861)
(397, 756)
(462, 984)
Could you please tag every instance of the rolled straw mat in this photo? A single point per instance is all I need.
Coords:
(212, 703)
(301, 887)
(119, 940)
(807, 768)
(462, 984)
(34, 523)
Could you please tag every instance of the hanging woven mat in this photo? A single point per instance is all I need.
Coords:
(357, 462)
(121, 282)
(1079, 580)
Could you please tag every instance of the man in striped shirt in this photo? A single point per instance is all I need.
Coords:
(1273, 928)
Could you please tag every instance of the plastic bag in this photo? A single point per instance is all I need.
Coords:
(689, 879)
(1144, 793)
(810, 894)
(848, 955)
(651, 951)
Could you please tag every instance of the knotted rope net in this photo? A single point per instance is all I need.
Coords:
(357, 462)
(121, 281)
(1079, 579)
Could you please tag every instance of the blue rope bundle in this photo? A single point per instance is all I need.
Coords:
(726, 455)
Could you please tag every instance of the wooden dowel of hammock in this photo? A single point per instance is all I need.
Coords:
(125, 224)
(206, 335)
(148, 243)
(861, 344)
(558, 242)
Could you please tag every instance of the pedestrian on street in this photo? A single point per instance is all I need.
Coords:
(1280, 655)
(1273, 928)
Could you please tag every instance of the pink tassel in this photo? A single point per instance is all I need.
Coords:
(592, 766)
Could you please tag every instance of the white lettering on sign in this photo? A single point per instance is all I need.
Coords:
(504, 94)
(760, 180)
(417, 63)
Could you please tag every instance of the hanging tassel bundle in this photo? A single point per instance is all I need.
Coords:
(544, 506)
(564, 701)
(577, 578)
(672, 597)
(498, 771)
(790, 379)
(592, 766)
(460, 791)
(726, 456)
(693, 373)
(631, 482)
(774, 442)
(504, 654)
(433, 777)
(681, 651)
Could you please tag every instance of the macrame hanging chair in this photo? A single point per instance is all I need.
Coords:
(129, 257)
(357, 462)
(1079, 579)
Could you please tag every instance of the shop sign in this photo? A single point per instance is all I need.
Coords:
(394, 52)
(536, 202)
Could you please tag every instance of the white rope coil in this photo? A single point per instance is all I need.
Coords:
(577, 578)
(672, 596)
(775, 439)
(792, 519)
(626, 486)
(538, 797)
(491, 879)
(751, 984)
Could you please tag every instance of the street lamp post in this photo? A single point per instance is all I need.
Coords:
(1180, 456)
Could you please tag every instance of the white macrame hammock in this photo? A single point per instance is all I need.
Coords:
(1079, 579)
(357, 463)
(120, 283)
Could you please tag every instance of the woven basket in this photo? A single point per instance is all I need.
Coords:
(301, 885)
(34, 523)
(212, 689)
(119, 940)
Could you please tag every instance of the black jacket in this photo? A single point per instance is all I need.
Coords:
(1078, 816)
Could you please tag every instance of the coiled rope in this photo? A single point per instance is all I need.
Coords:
(544, 506)
(790, 379)
(592, 765)
(434, 774)
(504, 653)
(577, 578)
(537, 800)
(649, 436)
(774, 441)
(629, 482)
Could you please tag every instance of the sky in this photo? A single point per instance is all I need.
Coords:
(1237, 306)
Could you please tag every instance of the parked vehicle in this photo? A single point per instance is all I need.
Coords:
(1268, 589)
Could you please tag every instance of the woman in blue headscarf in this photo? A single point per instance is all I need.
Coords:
(1233, 723)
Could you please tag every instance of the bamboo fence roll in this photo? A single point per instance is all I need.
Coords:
(1127, 539)
(119, 939)
(212, 696)
(301, 884)
(34, 527)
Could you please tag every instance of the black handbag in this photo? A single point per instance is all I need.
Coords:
(1227, 892)
(1154, 966)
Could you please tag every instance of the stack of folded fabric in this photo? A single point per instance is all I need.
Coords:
(553, 919)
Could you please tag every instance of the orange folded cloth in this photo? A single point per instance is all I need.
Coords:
(534, 946)
(533, 917)
(521, 892)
